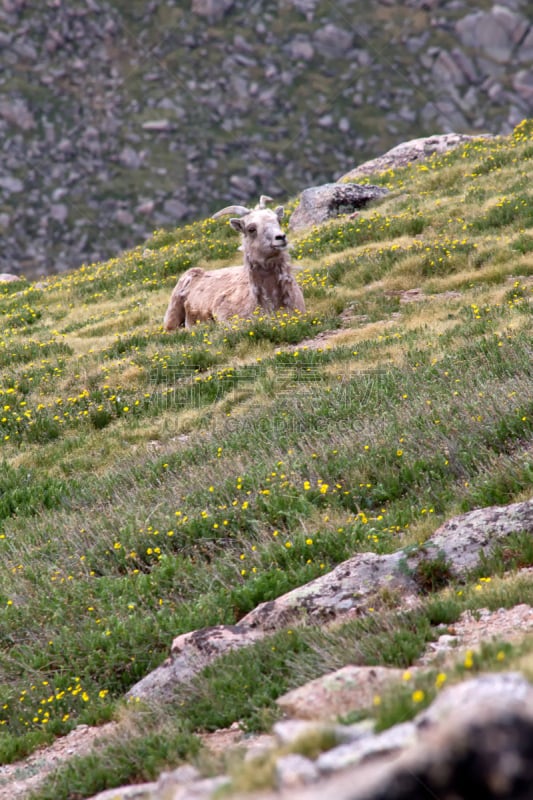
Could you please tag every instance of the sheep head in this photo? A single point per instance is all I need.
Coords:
(262, 234)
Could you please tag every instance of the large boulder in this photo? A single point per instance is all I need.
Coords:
(320, 203)
(189, 654)
(495, 33)
(214, 10)
(408, 152)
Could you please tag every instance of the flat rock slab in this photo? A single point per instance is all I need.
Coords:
(338, 692)
(463, 539)
(347, 588)
(320, 203)
(386, 743)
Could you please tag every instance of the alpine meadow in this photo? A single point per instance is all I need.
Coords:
(155, 483)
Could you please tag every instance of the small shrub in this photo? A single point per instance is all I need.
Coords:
(432, 574)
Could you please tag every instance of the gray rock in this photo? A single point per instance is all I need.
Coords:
(11, 184)
(326, 121)
(158, 126)
(26, 50)
(350, 586)
(411, 151)
(332, 41)
(463, 539)
(338, 692)
(523, 85)
(144, 791)
(525, 52)
(181, 776)
(175, 209)
(131, 158)
(8, 277)
(508, 688)
(390, 741)
(446, 70)
(146, 207)
(124, 217)
(479, 752)
(59, 212)
(346, 588)
(466, 65)
(243, 184)
(17, 113)
(496, 32)
(190, 653)
(301, 48)
(289, 731)
(307, 7)
(320, 203)
(169, 786)
(214, 10)
(344, 125)
(294, 770)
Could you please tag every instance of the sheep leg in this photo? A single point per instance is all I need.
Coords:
(175, 313)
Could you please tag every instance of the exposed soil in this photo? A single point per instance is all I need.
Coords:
(17, 780)
(473, 629)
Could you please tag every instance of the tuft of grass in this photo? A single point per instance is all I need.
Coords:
(432, 574)
(137, 758)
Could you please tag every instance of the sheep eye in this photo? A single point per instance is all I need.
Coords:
(251, 229)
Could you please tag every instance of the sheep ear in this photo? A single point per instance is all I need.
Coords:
(279, 212)
(237, 223)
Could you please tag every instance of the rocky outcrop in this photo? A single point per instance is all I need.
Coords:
(328, 697)
(352, 587)
(320, 203)
(474, 740)
(464, 539)
(120, 118)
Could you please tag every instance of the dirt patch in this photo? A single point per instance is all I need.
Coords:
(418, 296)
(473, 629)
(17, 780)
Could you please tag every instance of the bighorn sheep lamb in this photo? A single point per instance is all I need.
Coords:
(263, 280)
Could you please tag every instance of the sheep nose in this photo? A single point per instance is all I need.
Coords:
(281, 238)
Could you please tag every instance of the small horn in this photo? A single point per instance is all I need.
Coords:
(240, 210)
(263, 200)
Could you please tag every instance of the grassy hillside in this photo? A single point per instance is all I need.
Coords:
(156, 483)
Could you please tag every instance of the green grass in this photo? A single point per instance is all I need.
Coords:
(156, 483)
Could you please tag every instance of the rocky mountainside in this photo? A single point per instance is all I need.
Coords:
(120, 116)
